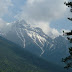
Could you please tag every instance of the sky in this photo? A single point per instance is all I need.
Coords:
(49, 15)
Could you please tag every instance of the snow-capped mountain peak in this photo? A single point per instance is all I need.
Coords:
(36, 41)
(22, 30)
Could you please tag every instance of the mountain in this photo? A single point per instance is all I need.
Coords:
(37, 42)
(14, 58)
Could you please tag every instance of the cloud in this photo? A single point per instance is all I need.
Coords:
(55, 33)
(2, 23)
(41, 12)
(52, 32)
(4, 7)
(4, 26)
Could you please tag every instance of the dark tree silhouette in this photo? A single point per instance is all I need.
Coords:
(68, 60)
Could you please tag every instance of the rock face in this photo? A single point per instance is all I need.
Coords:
(36, 41)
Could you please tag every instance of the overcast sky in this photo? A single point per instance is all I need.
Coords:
(50, 15)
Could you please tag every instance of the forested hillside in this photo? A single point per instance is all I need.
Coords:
(13, 58)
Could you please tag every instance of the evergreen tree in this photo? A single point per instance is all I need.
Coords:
(68, 60)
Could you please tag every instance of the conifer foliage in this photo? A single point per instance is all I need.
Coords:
(68, 60)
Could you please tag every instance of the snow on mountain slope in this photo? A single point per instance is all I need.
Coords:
(21, 30)
(36, 41)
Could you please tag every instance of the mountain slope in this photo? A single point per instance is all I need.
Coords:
(36, 41)
(13, 58)
(10, 60)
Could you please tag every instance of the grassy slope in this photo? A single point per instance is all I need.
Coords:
(11, 61)
(13, 58)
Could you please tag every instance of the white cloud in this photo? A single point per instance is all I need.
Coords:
(43, 12)
(4, 5)
(4, 9)
(4, 26)
(55, 33)
(2, 23)
(52, 32)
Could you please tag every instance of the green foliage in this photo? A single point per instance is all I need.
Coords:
(68, 60)
(10, 60)
(13, 58)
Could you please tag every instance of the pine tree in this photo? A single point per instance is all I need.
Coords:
(68, 60)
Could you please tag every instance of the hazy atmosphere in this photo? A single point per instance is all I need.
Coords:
(49, 15)
(35, 35)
